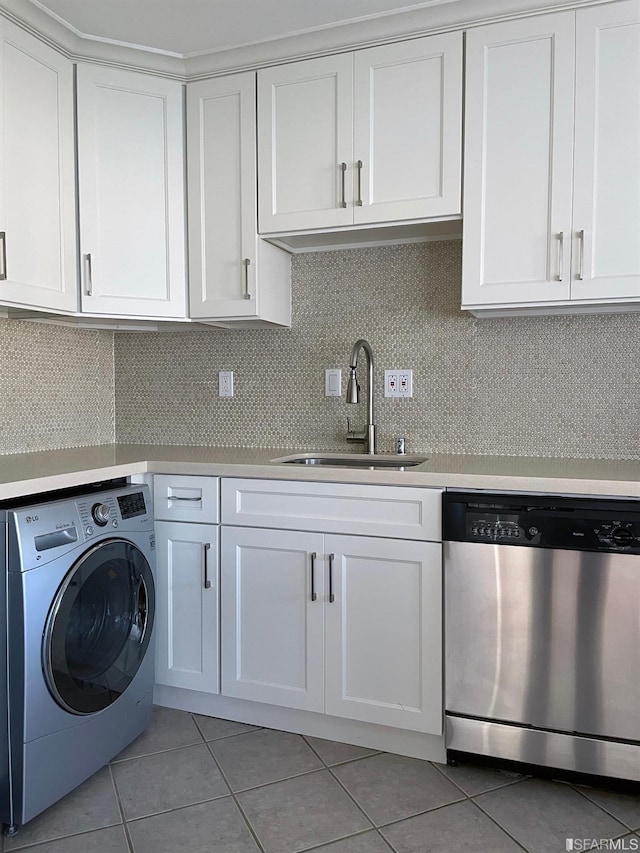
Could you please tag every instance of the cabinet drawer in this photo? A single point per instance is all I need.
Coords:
(182, 498)
(390, 511)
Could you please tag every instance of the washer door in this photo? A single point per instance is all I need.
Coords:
(99, 627)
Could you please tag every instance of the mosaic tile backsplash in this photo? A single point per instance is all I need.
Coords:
(544, 386)
(56, 387)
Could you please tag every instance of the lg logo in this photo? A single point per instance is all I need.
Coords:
(31, 518)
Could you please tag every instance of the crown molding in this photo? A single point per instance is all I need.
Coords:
(437, 18)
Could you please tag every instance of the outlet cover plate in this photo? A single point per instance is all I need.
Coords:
(398, 383)
(225, 383)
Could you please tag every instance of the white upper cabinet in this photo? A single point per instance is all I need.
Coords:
(552, 210)
(606, 201)
(233, 274)
(131, 192)
(518, 161)
(367, 137)
(408, 130)
(38, 263)
(305, 141)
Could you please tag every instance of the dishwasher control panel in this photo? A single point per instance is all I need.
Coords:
(580, 524)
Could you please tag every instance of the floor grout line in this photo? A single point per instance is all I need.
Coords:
(123, 816)
(233, 795)
(497, 823)
(605, 810)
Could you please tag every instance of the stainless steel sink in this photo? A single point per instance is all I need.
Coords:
(388, 461)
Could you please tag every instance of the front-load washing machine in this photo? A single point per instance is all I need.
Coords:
(76, 660)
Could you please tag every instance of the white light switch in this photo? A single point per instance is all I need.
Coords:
(225, 383)
(333, 382)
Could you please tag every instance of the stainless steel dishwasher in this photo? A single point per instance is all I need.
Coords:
(542, 630)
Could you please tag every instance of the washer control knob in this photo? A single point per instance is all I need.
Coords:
(100, 514)
(89, 530)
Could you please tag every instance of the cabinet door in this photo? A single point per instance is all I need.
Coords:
(272, 628)
(187, 630)
(384, 632)
(131, 184)
(221, 134)
(408, 129)
(606, 211)
(305, 138)
(37, 182)
(518, 161)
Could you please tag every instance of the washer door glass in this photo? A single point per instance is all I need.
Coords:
(99, 627)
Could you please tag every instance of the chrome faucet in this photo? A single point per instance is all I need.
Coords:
(368, 435)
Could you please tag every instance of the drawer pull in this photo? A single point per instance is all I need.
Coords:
(3, 256)
(178, 498)
(332, 597)
(343, 169)
(359, 199)
(581, 270)
(207, 582)
(245, 265)
(314, 594)
(560, 254)
(88, 275)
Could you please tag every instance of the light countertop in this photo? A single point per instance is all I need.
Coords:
(29, 473)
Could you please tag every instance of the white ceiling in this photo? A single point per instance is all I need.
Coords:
(188, 27)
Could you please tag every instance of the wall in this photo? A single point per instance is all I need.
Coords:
(56, 387)
(550, 386)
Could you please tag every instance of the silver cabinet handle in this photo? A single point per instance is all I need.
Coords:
(580, 275)
(343, 172)
(560, 254)
(359, 168)
(207, 582)
(332, 597)
(245, 264)
(88, 275)
(314, 594)
(3, 256)
(178, 498)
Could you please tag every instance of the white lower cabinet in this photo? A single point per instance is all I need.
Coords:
(346, 625)
(383, 632)
(187, 606)
(272, 630)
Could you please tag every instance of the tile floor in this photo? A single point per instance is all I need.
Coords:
(193, 784)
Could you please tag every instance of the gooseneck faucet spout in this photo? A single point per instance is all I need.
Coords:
(368, 435)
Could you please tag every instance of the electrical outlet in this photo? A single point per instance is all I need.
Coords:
(391, 383)
(333, 382)
(398, 383)
(405, 383)
(225, 383)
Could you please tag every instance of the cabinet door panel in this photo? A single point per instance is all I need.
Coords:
(187, 644)
(131, 183)
(408, 129)
(384, 633)
(607, 164)
(37, 184)
(271, 629)
(518, 161)
(221, 160)
(305, 130)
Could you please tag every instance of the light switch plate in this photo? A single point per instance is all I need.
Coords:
(333, 382)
